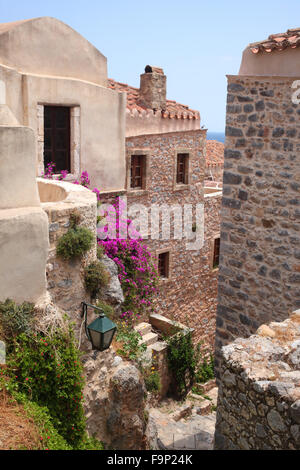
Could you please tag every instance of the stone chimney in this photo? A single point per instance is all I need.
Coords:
(153, 88)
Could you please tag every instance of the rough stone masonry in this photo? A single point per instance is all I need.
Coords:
(259, 275)
(259, 396)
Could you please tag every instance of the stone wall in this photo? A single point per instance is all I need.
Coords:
(189, 294)
(259, 265)
(115, 401)
(259, 396)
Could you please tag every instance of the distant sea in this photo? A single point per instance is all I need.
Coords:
(219, 136)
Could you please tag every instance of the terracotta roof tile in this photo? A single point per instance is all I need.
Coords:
(214, 153)
(173, 110)
(277, 42)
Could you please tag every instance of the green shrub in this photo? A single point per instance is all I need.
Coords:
(152, 381)
(95, 277)
(108, 310)
(130, 340)
(15, 319)
(50, 437)
(49, 371)
(182, 360)
(76, 242)
(205, 370)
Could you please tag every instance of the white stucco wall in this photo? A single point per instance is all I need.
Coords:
(23, 254)
(48, 46)
(17, 168)
(276, 63)
(76, 78)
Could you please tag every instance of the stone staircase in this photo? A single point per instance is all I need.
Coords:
(148, 337)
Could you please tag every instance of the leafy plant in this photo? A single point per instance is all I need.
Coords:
(131, 347)
(75, 243)
(152, 381)
(50, 439)
(49, 371)
(15, 319)
(95, 277)
(49, 436)
(205, 370)
(182, 360)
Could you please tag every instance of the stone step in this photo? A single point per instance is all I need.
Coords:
(149, 338)
(143, 328)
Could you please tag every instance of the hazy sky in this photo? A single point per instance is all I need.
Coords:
(196, 42)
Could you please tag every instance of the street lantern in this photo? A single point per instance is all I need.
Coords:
(101, 331)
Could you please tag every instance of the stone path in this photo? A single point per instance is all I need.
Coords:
(194, 433)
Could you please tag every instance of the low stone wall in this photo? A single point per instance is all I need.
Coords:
(259, 393)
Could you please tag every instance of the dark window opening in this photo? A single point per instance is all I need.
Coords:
(163, 265)
(182, 168)
(216, 258)
(57, 137)
(137, 171)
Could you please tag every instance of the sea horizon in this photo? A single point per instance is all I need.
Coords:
(219, 136)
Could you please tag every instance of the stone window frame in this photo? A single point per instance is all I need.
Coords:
(189, 151)
(167, 249)
(75, 139)
(212, 248)
(147, 154)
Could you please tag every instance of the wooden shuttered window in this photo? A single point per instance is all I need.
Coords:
(57, 137)
(163, 264)
(216, 256)
(138, 171)
(182, 168)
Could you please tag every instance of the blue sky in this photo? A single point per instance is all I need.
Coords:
(196, 42)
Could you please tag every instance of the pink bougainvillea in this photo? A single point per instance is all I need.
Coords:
(137, 271)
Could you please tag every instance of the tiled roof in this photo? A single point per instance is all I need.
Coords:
(173, 110)
(278, 42)
(214, 153)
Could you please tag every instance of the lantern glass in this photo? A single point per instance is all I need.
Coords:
(107, 338)
(95, 338)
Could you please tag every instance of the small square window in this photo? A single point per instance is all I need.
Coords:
(137, 171)
(216, 255)
(163, 264)
(182, 173)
